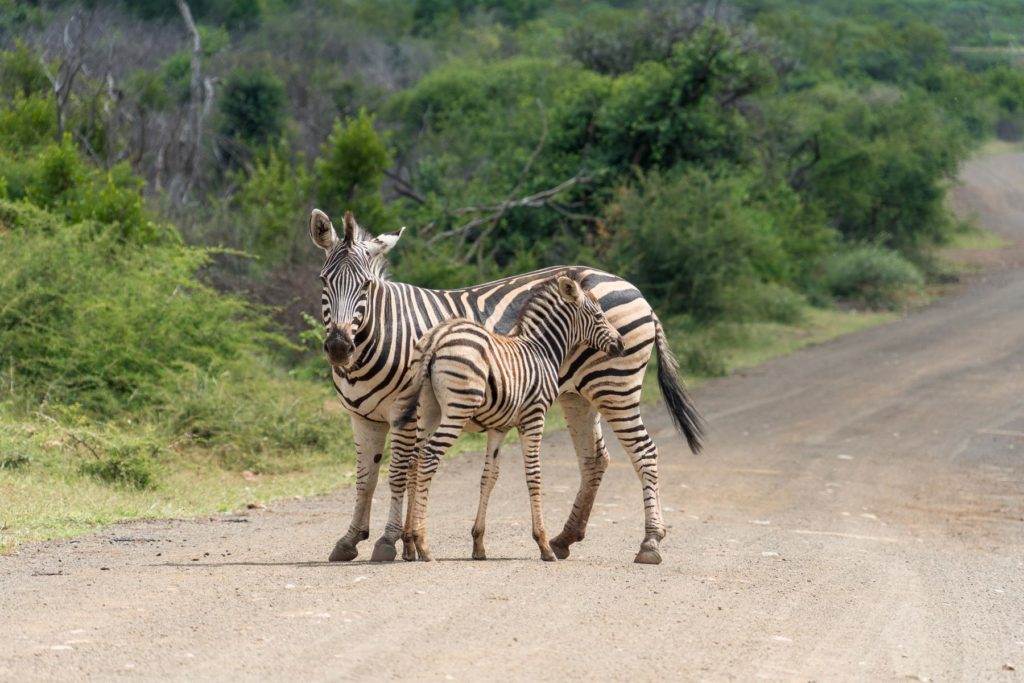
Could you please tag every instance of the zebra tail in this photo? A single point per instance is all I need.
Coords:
(409, 401)
(684, 413)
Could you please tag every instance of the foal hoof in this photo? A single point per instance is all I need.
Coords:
(560, 551)
(383, 551)
(648, 557)
(343, 552)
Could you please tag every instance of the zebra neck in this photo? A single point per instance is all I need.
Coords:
(544, 326)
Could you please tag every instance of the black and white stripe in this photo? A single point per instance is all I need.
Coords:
(383, 321)
(468, 376)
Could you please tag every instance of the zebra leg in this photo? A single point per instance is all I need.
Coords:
(632, 434)
(403, 452)
(585, 428)
(430, 454)
(487, 481)
(428, 418)
(408, 545)
(369, 438)
(530, 439)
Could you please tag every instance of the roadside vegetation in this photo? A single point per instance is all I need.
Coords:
(770, 173)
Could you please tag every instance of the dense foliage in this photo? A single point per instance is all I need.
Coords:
(736, 161)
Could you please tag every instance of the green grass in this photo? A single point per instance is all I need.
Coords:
(976, 239)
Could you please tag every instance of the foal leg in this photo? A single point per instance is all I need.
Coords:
(487, 481)
(585, 428)
(428, 418)
(632, 434)
(530, 438)
(369, 438)
(403, 453)
(430, 454)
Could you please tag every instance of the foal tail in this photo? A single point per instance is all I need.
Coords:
(409, 400)
(680, 405)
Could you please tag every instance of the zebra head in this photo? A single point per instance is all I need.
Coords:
(588, 323)
(351, 263)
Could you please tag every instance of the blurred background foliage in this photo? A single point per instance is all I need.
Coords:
(738, 161)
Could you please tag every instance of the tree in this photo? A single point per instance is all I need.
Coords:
(350, 169)
(252, 107)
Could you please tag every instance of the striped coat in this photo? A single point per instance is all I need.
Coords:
(373, 325)
(468, 375)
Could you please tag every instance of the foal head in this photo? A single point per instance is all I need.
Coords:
(587, 323)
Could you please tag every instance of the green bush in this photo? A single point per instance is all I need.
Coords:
(707, 245)
(22, 72)
(349, 172)
(27, 121)
(252, 107)
(125, 465)
(271, 204)
(86, 320)
(873, 275)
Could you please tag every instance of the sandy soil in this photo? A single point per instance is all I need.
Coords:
(859, 514)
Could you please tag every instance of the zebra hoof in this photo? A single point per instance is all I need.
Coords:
(560, 551)
(408, 551)
(648, 557)
(343, 552)
(384, 551)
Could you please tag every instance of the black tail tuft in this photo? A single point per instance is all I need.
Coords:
(684, 412)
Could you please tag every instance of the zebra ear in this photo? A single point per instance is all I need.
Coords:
(382, 244)
(351, 228)
(569, 289)
(321, 230)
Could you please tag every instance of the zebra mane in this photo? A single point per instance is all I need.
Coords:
(379, 267)
(544, 289)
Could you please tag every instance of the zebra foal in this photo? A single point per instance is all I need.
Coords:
(468, 374)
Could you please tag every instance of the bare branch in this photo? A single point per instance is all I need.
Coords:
(492, 211)
(201, 98)
(404, 188)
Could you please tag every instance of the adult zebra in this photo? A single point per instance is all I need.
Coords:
(372, 327)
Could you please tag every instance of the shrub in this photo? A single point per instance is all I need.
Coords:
(125, 465)
(87, 320)
(272, 202)
(27, 122)
(876, 276)
(706, 245)
(252, 107)
(350, 169)
(22, 73)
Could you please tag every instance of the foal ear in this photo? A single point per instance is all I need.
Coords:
(382, 244)
(569, 289)
(321, 231)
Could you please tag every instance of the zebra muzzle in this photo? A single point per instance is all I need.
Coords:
(339, 347)
(616, 348)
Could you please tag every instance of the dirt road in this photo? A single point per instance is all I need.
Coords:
(858, 514)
